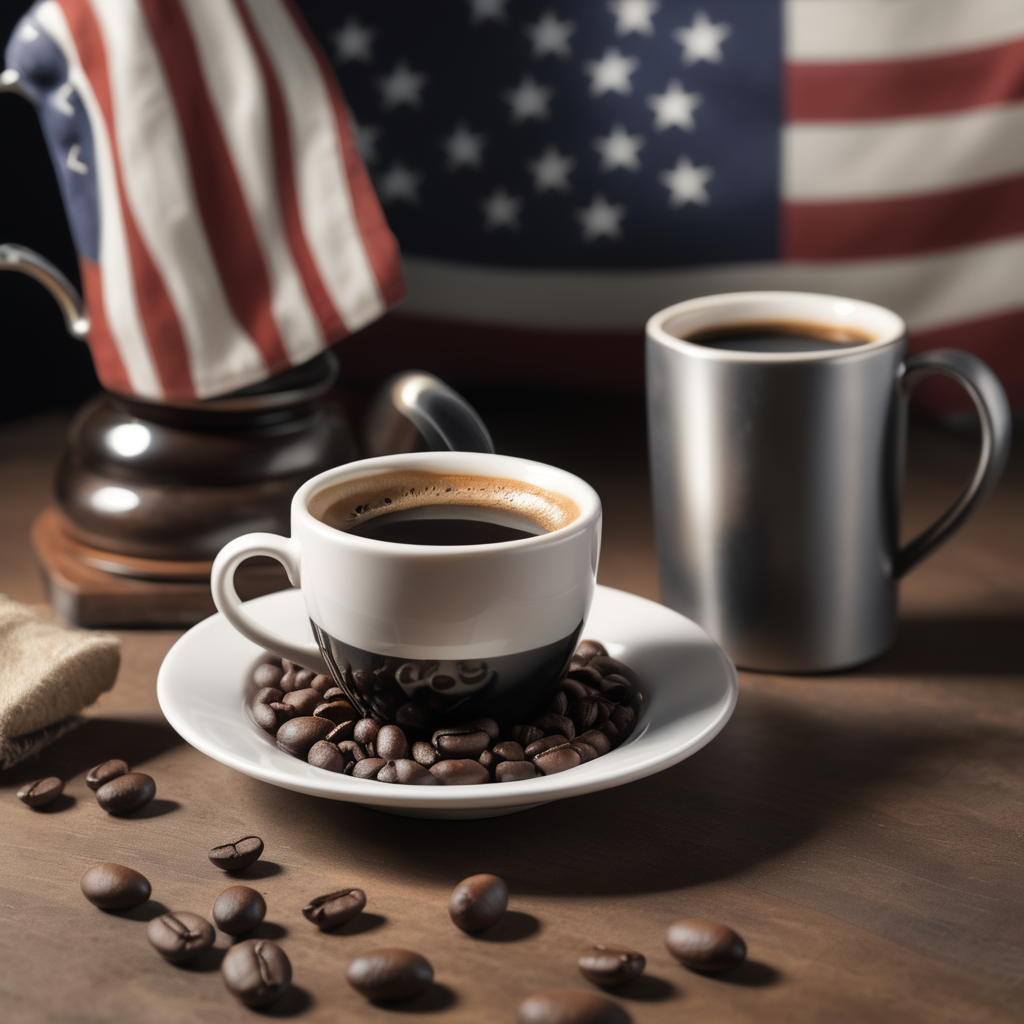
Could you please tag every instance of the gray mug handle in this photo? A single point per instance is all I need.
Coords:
(989, 398)
(26, 261)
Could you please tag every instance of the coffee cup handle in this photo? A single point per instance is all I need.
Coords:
(229, 604)
(989, 398)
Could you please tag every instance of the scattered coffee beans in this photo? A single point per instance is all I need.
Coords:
(478, 902)
(238, 855)
(256, 971)
(566, 1006)
(41, 792)
(611, 965)
(297, 735)
(334, 909)
(115, 887)
(239, 909)
(126, 794)
(180, 936)
(387, 974)
(105, 772)
(705, 945)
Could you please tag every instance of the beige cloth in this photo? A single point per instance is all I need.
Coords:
(48, 673)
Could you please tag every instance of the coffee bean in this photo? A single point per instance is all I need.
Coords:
(334, 909)
(322, 683)
(368, 768)
(585, 713)
(267, 675)
(611, 965)
(340, 733)
(509, 750)
(239, 909)
(490, 760)
(588, 649)
(366, 730)
(351, 749)
(416, 716)
(478, 902)
(586, 674)
(406, 772)
(425, 754)
(105, 772)
(256, 971)
(617, 688)
(337, 711)
(597, 740)
(270, 717)
(559, 704)
(705, 946)
(460, 772)
(611, 666)
(461, 741)
(297, 735)
(238, 855)
(391, 743)
(289, 681)
(41, 792)
(115, 887)
(180, 936)
(556, 725)
(539, 746)
(524, 735)
(334, 693)
(304, 676)
(573, 689)
(388, 974)
(126, 793)
(487, 725)
(558, 759)
(304, 701)
(515, 771)
(324, 754)
(566, 1006)
(268, 695)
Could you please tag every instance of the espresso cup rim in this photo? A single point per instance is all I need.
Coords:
(848, 312)
(590, 505)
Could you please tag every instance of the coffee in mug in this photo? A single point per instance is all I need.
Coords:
(780, 336)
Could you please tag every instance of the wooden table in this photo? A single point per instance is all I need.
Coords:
(862, 831)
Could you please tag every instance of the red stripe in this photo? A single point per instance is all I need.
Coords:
(901, 227)
(331, 322)
(222, 206)
(159, 320)
(378, 241)
(904, 88)
(105, 355)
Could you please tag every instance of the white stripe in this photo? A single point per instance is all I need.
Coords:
(927, 291)
(235, 85)
(325, 203)
(117, 280)
(829, 31)
(902, 156)
(158, 183)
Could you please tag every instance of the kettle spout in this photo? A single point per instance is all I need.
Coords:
(25, 261)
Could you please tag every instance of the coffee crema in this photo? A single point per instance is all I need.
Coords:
(779, 336)
(419, 507)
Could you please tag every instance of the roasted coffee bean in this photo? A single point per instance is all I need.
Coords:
(623, 719)
(487, 725)
(41, 792)
(460, 772)
(524, 735)
(617, 688)
(366, 730)
(304, 701)
(585, 750)
(611, 666)
(105, 772)
(267, 675)
(490, 760)
(556, 725)
(387, 974)
(335, 693)
(461, 741)
(416, 716)
(586, 674)
(256, 971)
(597, 740)
(238, 855)
(289, 681)
(321, 683)
(539, 746)
(391, 743)
(324, 754)
(297, 735)
(478, 902)
(589, 649)
(425, 754)
(573, 689)
(340, 733)
(585, 713)
(115, 887)
(334, 909)
(567, 1006)
(304, 676)
(368, 768)
(268, 695)
(239, 909)
(270, 717)
(509, 750)
(352, 750)
(515, 771)
(558, 759)
(705, 945)
(559, 704)
(180, 936)
(611, 965)
(407, 772)
(126, 793)
(338, 712)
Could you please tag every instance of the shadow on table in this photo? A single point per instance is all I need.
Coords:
(954, 647)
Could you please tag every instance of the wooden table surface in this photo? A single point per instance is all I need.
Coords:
(862, 831)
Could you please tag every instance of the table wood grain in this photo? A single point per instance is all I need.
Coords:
(862, 831)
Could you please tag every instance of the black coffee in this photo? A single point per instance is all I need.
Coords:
(400, 528)
(779, 336)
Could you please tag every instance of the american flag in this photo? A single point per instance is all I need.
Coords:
(225, 224)
(560, 170)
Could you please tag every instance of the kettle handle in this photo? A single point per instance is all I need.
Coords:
(25, 261)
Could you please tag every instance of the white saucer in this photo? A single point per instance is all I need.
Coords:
(690, 692)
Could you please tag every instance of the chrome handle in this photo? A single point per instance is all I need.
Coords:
(25, 261)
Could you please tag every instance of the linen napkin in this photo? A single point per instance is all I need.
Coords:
(48, 674)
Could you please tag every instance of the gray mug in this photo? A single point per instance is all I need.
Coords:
(777, 471)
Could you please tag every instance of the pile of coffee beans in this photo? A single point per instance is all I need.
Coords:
(118, 790)
(593, 711)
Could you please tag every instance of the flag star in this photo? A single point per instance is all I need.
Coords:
(611, 73)
(529, 100)
(501, 210)
(399, 184)
(60, 100)
(674, 107)
(402, 87)
(487, 10)
(619, 149)
(633, 16)
(353, 41)
(601, 219)
(551, 170)
(686, 183)
(702, 40)
(365, 136)
(74, 162)
(464, 148)
(551, 36)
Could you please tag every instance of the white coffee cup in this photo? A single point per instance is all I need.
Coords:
(453, 631)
